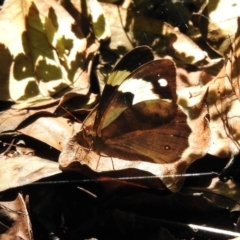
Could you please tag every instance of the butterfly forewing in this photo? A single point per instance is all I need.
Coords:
(131, 61)
(145, 99)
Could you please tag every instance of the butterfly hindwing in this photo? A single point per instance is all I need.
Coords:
(162, 144)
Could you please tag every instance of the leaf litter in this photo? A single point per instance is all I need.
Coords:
(104, 193)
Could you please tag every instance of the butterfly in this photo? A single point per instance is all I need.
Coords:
(138, 117)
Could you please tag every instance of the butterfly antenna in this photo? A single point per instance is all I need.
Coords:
(72, 115)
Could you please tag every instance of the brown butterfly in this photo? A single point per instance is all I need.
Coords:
(138, 117)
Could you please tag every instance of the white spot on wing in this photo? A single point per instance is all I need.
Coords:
(141, 89)
(163, 82)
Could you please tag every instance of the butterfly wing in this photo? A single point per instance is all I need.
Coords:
(163, 144)
(131, 61)
(142, 120)
(147, 97)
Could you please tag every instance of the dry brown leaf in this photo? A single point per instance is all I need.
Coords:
(218, 23)
(222, 97)
(126, 25)
(15, 211)
(225, 13)
(55, 132)
(22, 170)
(46, 51)
(100, 23)
(12, 118)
